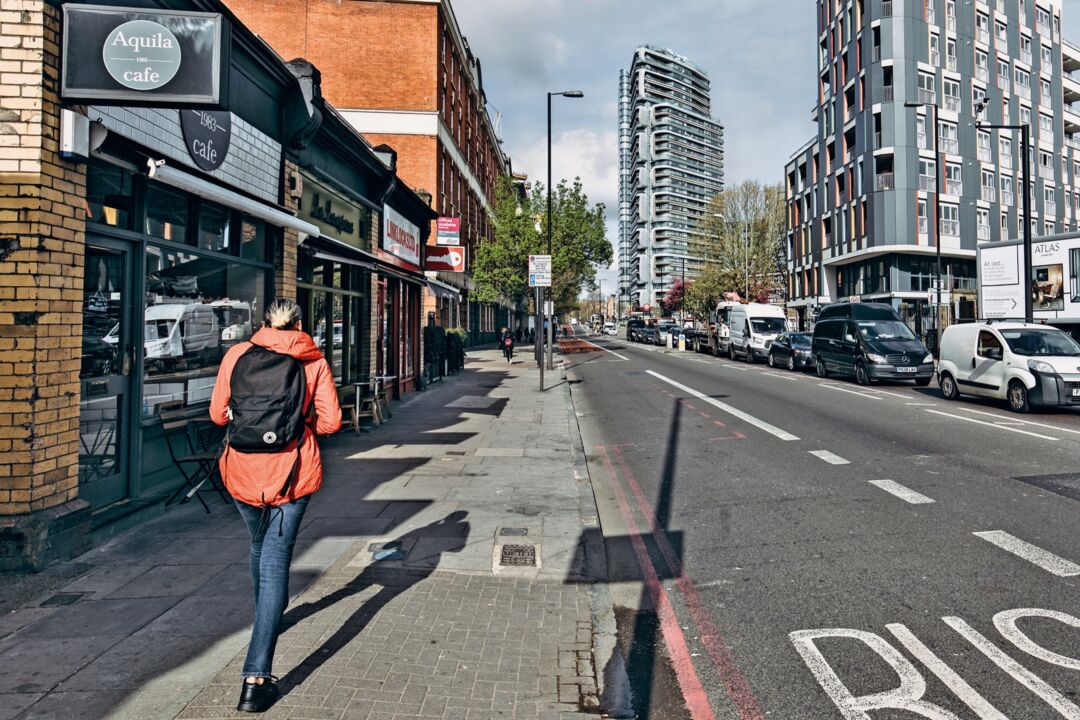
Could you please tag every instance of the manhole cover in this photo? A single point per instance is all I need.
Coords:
(514, 532)
(69, 598)
(518, 556)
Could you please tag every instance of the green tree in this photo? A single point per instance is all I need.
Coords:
(579, 243)
(743, 240)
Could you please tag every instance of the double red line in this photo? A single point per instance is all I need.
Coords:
(693, 691)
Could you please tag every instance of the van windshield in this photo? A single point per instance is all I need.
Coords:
(768, 326)
(157, 329)
(885, 330)
(1041, 342)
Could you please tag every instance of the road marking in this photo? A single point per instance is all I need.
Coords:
(709, 635)
(598, 347)
(1007, 419)
(906, 494)
(993, 425)
(746, 417)
(851, 392)
(1035, 555)
(697, 700)
(1005, 622)
(1019, 673)
(923, 404)
(969, 695)
(829, 457)
(890, 392)
(778, 375)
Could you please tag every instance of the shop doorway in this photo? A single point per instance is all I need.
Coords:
(108, 354)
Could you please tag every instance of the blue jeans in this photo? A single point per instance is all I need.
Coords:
(273, 534)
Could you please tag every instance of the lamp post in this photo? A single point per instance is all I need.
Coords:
(937, 221)
(1025, 150)
(551, 325)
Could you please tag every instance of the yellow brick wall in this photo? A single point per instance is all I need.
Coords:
(41, 258)
(286, 255)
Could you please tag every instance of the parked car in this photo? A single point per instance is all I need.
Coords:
(663, 331)
(1024, 364)
(753, 328)
(609, 329)
(870, 342)
(792, 350)
(649, 335)
(633, 327)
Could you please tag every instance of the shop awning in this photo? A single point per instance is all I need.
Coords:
(414, 279)
(197, 186)
(327, 248)
(443, 291)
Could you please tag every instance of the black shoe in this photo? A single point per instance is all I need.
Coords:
(257, 698)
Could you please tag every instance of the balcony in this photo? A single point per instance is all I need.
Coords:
(1001, 6)
(927, 183)
(884, 181)
(1046, 172)
(983, 36)
(922, 141)
(1005, 160)
(982, 74)
(950, 63)
(1025, 57)
(984, 232)
(954, 187)
(1071, 86)
(952, 103)
(1044, 29)
(927, 96)
(949, 145)
(950, 23)
(950, 228)
(935, 58)
(989, 193)
(1072, 119)
(1070, 56)
(985, 155)
(924, 226)
(1023, 91)
(1008, 198)
(1051, 207)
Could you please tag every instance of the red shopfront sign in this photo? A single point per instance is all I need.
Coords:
(448, 231)
(444, 259)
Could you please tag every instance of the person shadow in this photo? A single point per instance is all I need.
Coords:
(448, 535)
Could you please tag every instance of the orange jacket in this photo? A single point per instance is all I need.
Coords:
(256, 478)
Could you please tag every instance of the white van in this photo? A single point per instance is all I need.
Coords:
(753, 328)
(1021, 363)
(234, 319)
(177, 331)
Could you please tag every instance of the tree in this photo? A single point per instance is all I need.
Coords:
(743, 230)
(675, 297)
(579, 243)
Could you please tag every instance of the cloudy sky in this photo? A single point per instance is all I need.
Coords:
(759, 55)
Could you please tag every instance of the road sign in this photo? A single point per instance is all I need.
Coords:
(539, 271)
(944, 297)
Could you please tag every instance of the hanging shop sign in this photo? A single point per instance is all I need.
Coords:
(448, 231)
(335, 216)
(401, 238)
(207, 134)
(444, 259)
(132, 56)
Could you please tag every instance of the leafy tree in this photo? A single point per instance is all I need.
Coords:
(743, 230)
(675, 297)
(579, 243)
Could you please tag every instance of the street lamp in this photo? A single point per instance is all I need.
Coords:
(551, 325)
(1025, 143)
(937, 219)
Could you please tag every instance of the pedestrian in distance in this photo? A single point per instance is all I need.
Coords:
(507, 342)
(271, 465)
(517, 334)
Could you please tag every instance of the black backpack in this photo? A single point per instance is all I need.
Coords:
(268, 391)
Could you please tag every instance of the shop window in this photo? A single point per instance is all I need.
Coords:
(196, 308)
(253, 239)
(166, 213)
(110, 198)
(213, 227)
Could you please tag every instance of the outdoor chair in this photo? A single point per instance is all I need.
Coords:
(194, 446)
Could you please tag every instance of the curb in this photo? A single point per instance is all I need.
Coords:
(609, 666)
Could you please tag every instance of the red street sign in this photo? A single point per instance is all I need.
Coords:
(445, 259)
(448, 231)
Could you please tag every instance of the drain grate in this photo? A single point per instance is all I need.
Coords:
(68, 598)
(456, 452)
(514, 532)
(518, 556)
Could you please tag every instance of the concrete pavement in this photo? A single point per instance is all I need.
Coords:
(405, 604)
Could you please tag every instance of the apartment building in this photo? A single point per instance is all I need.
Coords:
(671, 163)
(861, 192)
(403, 74)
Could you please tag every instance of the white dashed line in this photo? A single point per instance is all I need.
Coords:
(850, 392)
(1006, 419)
(829, 457)
(993, 425)
(906, 494)
(1035, 555)
(894, 394)
(746, 417)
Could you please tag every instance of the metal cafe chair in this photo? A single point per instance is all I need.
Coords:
(364, 402)
(194, 447)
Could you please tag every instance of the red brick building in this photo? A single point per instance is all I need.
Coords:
(403, 75)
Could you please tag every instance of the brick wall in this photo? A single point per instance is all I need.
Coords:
(41, 258)
(285, 255)
(372, 54)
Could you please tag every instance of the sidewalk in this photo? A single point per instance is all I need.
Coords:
(405, 604)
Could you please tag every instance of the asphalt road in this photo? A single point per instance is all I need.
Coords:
(788, 547)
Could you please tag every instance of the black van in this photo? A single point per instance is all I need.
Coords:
(870, 342)
(633, 327)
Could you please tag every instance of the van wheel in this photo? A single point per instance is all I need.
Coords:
(861, 376)
(822, 371)
(749, 355)
(731, 352)
(1018, 397)
(948, 387)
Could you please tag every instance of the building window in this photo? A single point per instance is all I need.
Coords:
(950, 220)
(110, 199)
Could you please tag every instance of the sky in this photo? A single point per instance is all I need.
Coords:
(759, 55)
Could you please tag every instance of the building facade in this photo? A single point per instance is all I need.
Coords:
(402, 73)
(862, 192)
(671, 164)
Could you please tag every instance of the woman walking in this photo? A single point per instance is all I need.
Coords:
(276, 393)
(506, 340)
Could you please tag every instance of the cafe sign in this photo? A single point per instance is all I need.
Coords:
(401, 238)
(335, 216)
(207, 134)
(133, 56)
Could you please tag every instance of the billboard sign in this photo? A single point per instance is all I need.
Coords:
(444, 259)
(401, 238)
(448, 231)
